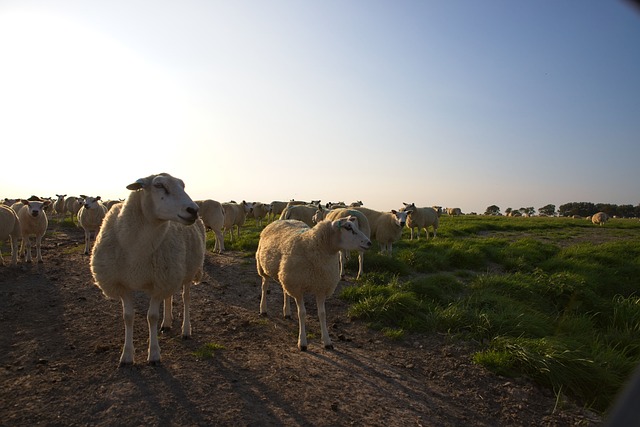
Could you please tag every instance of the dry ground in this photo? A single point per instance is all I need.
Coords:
(61, 341)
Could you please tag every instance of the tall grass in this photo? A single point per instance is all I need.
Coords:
(553, 299)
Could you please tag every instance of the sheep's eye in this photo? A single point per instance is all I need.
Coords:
(161, 186)
(348, 227)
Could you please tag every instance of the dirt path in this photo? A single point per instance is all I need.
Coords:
(61, 342)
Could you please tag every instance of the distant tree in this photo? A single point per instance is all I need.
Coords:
(548, 210)
(577, 208)
(507, 211)
(492, 210)
(626, 211)
(528, 211)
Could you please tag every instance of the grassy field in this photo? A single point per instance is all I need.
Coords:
(553, 299)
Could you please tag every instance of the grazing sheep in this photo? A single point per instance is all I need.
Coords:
(10, 228)
(599, 218)
(305, 260)
(420, 218)
(212, 214)
(302, 213)
(454, 211)
(58, 205)
(276, 209)
(33, 222)
(260, 212)
(386, 227)
(153, 242)
(90, 218)
(363, 225)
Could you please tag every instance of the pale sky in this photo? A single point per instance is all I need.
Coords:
(457, 103)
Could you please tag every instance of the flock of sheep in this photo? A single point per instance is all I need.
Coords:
(154, 241)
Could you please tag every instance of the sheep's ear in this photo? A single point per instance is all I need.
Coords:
(137, 185)
(393, 211)
(84, 197)
(98, 198)
(24, 201)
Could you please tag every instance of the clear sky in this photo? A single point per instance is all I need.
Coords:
(457, 103)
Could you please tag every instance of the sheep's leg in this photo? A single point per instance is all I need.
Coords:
(167, 315)
(411, 233)
(26, 243)
(286, 305)
(186, 318)
(343, 261)
(263, 298)
(87, 239)
(153, 316)
(360, 264)
(219, 247)
(14, 251)
(322, 315)
(38, 250)
(127, 313)
(302, 331)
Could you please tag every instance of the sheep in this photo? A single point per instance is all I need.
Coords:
(212, 214)
(276, 208)
(235, 214)
(420, 218)
(305, 260)
(302, 213)
(90, 218)
(260, 211)
(58, 205)
(109, 203)
(454, 211)
(10, 228)
(363, 225)
(33, 222)
(386, 227)
(153, 242)
(599, 218)
(72, 206)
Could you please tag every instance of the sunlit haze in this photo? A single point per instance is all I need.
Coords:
(454, 103)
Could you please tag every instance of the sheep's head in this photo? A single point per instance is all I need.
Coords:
(36, 207)
(165, 199)
(351, 238)
(400, 217)
(90, 202)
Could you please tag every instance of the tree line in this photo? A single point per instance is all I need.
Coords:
(583, 209)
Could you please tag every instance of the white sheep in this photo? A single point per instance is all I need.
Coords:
(363, 225)
(599, 218)
(33, 222)
(58, 205)
(305, 260)
(276, 209)
(454, 211)
(212, 214)
(10, 228)
(235, 215)
(153, 242)
(419, 218)
(90, 218)
(386, 227)
(72, 206)
(260, 211)
(302, 213)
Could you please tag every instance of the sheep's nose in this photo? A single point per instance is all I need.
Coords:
(368, 244)
(192, 211)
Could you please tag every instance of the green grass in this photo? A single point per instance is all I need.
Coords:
(552, 299)
(207, 351)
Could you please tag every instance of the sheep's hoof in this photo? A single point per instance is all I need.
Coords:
(186, 337)
(153, 363)
(303, 348)
(329, 346)
(124, 364)
(165, 329)
(264, 314)
(288, 316)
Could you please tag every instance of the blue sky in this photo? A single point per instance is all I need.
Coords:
(453, 103)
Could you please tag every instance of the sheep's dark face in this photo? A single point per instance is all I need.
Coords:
(169, 201)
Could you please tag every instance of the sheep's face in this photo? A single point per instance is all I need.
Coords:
(36, 207)
(91, 202)
(167, 199)
(400, 217)
(351, 238)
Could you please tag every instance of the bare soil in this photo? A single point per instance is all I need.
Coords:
(61, 341)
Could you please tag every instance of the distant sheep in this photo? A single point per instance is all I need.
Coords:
(72, 206)
(109, 203)
(599, 218)
(153, 242)
(260, 211)
(305, 260)
(58, 205)
(212, 214)
(356, 204)
(10, 229)
(302, 213)
(33, 222)
(386, 227)
(90, 218)
(276, 209)
(454, 211)
(235, 215)
(420, 218)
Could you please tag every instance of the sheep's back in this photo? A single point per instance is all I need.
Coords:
(423, 218)
(9, 223)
